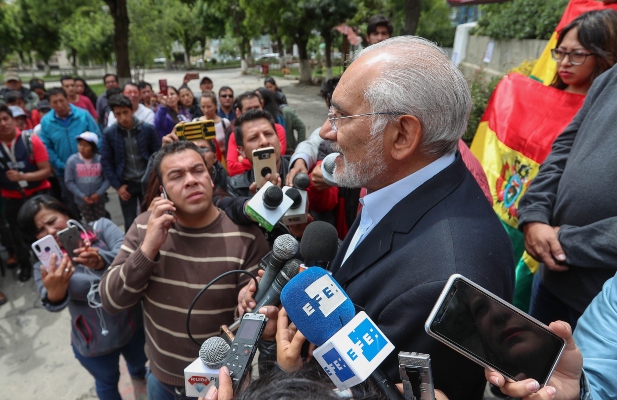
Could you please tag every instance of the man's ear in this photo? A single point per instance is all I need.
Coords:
(241, 151)
(238, 113)
(406, 137)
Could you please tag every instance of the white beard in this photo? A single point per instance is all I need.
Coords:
(358, 174)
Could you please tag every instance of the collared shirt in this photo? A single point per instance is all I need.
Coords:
(63, 121)
(377, 204)
(231, 115)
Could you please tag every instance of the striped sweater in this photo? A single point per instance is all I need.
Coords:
(188, 260)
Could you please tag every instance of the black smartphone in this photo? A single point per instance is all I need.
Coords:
(71, 240)
(164, 194)
(493, 333)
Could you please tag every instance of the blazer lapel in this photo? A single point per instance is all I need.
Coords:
(401, 219)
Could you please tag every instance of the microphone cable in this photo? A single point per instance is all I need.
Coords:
(212, 282)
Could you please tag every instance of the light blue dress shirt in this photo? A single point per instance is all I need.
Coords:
(379, 203)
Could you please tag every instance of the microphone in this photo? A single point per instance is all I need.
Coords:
(350, 348)
(301, 181)
(213, 351)
(268, 206)
(298, 212)
(273, 295)
(327, 168)
(319, 244)
(284, 247)
(204, 371)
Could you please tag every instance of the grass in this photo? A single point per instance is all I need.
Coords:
(98, 88)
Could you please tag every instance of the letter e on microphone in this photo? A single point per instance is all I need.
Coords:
(326, 294)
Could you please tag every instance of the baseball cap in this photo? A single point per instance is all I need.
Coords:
(11, 76)
(43, 105)
(89, 137)
(17, 111)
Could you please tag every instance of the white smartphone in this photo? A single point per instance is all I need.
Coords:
(44, 248)
(493, 333)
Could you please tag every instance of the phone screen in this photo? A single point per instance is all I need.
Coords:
(163, 86)
(489, 330)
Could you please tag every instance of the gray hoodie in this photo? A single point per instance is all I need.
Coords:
(85, 178)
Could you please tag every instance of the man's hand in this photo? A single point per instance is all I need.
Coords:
(95, 198)
(563, 385)
(289, 342)
(298, 229)
(272, 313)
(123, 193)
(170, 137)
(317, 178)
(246, 296)
(87, 199)
(14, 176)
(299, 166)
(542, 243)
(158, 226)
(276, 181)
(56, 281)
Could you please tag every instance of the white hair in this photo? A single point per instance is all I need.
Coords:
(417, 78)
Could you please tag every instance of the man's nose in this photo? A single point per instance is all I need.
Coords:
(326, 131)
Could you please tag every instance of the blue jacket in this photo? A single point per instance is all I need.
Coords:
(58, 136)
(112, 149)
(595, 335)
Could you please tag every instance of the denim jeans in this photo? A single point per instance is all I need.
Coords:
(130, 207)
(546, 307)
(106, 369)
(158, 390)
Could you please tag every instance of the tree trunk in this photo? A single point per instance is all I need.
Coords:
(245, 49)
(279, 44)
(47, 68)
(305, 66)
(120, 15)
(412, 16)
(168, 56)
(328, 41)
(74, 62)
(187, 59)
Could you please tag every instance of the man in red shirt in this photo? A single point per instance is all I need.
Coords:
(68, 84)
(24, 169)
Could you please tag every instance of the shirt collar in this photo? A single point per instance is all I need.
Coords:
(69, 115)
(377, 204)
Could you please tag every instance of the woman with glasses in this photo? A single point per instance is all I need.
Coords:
(586, 48)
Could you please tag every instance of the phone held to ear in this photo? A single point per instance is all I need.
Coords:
(164, 194)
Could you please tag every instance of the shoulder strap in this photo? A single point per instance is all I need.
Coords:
(26, 137)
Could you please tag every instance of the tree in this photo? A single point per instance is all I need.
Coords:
(9, 32)
(239, 26)
(88, 33)
(119, 12)
(435, 23)
(334, 12)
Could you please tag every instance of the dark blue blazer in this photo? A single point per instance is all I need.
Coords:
(397, 272)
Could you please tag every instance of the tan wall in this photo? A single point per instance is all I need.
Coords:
(507, 54)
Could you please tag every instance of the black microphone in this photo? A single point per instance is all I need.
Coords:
(319, 244)
(301, 181)
(284, 248)
(272, 297)
(327, 168)
(273, 197)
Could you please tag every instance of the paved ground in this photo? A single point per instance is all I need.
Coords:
(36, 360)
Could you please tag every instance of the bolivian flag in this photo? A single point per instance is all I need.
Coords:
(521, 121)
(545, 69)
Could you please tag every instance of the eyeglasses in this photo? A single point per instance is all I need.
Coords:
(332, 118)
(576, 57)
(227, 96)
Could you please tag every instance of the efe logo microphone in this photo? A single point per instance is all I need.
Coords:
(326, 294)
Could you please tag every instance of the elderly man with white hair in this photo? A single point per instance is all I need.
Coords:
(396, 117)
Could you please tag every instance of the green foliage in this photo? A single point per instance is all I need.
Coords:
(481, 91)
(10, 35)
(146, 18)
(435, 23)
(90, 32)
(228, 47)
(520, 19)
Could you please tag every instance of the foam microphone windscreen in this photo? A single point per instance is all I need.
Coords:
(317, 305)
(213, 351)
(301, 181)
(319, 242)
(273, 197)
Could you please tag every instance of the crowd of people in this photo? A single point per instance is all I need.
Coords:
(411, 206)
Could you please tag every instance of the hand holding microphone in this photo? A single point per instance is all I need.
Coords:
(289, 341)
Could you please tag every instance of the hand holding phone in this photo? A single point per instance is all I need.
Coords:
(493, 333)
(264, 163)
(164, 195)
(44, 248)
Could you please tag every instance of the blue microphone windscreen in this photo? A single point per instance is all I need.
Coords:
(317, 304)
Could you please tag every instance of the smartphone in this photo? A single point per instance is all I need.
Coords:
(44, 248)
(264, 163)
(196, 130)
(493, 333)
(164, 194)
(163, 86)
(191, 76)
(71, 240)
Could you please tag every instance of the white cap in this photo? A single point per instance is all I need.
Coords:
(89, 137)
